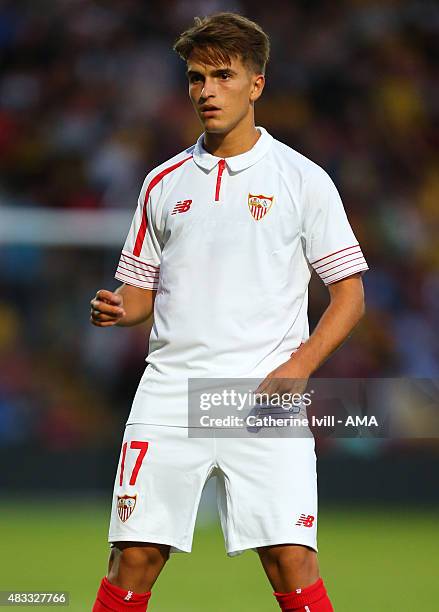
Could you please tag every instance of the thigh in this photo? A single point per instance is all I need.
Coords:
(158, 484)
(268, 493)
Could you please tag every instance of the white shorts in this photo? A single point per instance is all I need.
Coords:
(266, 488)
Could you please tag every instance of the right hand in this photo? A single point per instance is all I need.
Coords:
(106, 308)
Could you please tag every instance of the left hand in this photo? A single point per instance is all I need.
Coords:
(290, 377)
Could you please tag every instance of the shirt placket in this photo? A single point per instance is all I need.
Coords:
(220, 182)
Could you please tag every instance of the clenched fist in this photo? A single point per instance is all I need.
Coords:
(106, 308)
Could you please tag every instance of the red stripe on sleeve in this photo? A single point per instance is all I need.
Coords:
(344, 262)
(313, 263)
(140, 262)
(147, 276)
(348, 268)
(144, 223)
(119, 275)
(316, 268)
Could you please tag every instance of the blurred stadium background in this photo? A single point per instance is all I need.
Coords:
(91, 98)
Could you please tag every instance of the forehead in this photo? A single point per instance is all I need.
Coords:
(206, 64)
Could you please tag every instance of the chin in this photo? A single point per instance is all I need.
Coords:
(215, 127)
(215, 130)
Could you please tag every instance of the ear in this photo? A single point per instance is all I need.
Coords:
(258, 83)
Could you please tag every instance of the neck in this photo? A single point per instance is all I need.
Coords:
(239, 140)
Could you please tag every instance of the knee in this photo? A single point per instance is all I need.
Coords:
(293, 557)
(136, 556)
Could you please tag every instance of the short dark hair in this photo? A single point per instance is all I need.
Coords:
(219, 37)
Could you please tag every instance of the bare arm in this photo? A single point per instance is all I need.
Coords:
(124, 307)
(345, 310)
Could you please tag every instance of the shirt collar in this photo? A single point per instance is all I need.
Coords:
(237, 162)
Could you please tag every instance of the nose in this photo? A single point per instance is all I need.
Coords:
(208, 90)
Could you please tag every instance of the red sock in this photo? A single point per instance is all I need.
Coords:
(111, 597)
(310, 599)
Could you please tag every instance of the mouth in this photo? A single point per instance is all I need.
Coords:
(209, 111)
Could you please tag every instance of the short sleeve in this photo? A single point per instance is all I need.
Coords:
(139, 263)
(330, 243)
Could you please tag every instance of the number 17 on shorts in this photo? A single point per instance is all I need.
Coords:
(127, 503)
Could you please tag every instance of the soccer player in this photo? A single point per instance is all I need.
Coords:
(221, 250)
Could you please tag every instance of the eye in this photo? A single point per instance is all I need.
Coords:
(194, 78)
(225, 75)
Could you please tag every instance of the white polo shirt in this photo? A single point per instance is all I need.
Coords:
(229, 245)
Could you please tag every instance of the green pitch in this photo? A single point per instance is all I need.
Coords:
(380, 560)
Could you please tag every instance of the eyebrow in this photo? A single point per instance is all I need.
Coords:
(213, 73)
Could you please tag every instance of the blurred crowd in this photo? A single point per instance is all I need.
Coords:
(92, 97)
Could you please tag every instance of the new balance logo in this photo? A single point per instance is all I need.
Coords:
(305, 520)
(128, 596)
(181, 207)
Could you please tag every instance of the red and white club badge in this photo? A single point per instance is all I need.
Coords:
(259, 205)
(125, 506)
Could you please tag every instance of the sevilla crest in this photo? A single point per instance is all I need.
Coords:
(259, 205)
(125, 506)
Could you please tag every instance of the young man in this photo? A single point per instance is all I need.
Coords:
(221, 250)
